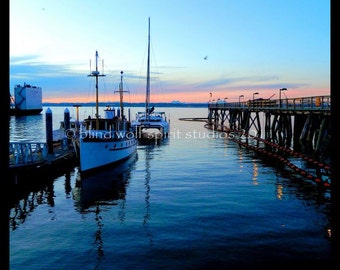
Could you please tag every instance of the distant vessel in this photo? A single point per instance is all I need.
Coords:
(108, 140)
(150, 124)
(27, 100)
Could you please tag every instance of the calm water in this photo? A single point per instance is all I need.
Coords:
(195, 201)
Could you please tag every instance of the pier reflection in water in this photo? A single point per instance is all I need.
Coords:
(29, 189)
(26, 199)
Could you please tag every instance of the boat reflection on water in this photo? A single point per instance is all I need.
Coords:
(98, 192)
(103, 188)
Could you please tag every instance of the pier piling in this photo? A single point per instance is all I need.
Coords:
(67, 123)
(298, 125)
(49, 130)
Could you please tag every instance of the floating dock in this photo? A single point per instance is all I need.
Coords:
(198, 119)
(25, 157)
(43, 157)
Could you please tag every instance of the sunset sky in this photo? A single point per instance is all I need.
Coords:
(224, 47)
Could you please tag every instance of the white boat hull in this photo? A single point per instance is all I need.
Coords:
(142, 129)
(100, 153)
(155, 127)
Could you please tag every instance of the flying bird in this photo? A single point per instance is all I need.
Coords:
(206, 57)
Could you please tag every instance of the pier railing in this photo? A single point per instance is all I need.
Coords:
(23, 153)
(315, 103)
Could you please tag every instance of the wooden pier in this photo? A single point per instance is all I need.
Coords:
(284, 122)
(299, 127)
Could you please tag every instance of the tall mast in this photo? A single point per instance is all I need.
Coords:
(96, 74)
(121, 91)
(147, 100)
(121, 95)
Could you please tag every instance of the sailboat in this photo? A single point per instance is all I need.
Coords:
(150, 124)
(105, 141)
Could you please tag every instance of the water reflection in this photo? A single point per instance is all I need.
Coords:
(310, 194)
(148, 149)
(21, 209)
(288, 183)
(31, 190)
(95, 192)
(106, 187)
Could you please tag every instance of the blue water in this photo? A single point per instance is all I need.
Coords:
(195, 201)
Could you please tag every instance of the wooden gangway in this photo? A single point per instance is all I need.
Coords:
(27, 153)
(33, 155)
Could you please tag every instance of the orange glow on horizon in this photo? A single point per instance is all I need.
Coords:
(167, 98)
(195, 97)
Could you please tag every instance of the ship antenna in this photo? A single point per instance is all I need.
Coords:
(121, 94)
(121, 91)
(103, 65)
